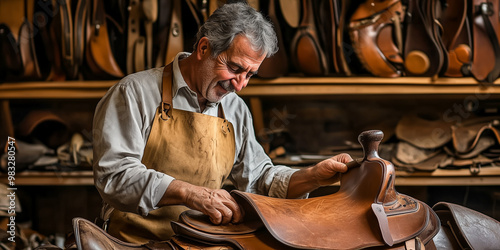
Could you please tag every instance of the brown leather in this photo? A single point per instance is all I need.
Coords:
(89, 236)
(485, 66)
(464, 228)
(46, 126)
(175, 35)
(291, 12)
(334, 15)
(342, 48)
(133, 34)
(17, 41)
(427, 131)
(372, 29)
(424, 53)
(367, 207)
(456, 36)
(468, 135)
(277, 65)
(161, 31)
(306, 52)
(99, 56)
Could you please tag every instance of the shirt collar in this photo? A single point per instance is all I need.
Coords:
(179, 82)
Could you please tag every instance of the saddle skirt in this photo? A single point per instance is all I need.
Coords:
(367, 211)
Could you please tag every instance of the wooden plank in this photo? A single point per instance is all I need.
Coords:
(37, 178)
(268, 87)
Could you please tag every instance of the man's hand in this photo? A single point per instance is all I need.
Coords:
(328, 171)
(321, 174)
(218, 204)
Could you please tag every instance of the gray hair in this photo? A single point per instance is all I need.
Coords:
(234, 19)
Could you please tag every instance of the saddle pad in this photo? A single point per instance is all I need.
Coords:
(409, 154)
(430, 164)
(423, 132)
(466, 136)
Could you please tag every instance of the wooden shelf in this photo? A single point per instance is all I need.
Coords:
(488, 176)
(269, 87)
(38, 178)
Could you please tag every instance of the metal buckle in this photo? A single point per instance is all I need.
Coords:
(485, 8)
(165, 108)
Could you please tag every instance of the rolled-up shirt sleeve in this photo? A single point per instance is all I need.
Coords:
(253, 170)
(121, 125)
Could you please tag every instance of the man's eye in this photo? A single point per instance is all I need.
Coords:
(232, 69)
(249, 75)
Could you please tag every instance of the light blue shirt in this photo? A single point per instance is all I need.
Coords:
(122, 123)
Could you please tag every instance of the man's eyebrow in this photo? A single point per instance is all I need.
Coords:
(240, 67)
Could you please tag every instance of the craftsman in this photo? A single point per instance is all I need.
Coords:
(166, 139)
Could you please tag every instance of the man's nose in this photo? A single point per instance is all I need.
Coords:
(240, 81)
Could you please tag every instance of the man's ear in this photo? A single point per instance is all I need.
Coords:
(203, 47)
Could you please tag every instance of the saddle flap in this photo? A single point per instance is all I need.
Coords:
(471, 229)
(201, 222)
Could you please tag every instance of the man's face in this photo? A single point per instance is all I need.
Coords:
(230, 71)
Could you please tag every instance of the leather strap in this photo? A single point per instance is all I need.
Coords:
(486, 10)
(162, 32)
(139, 48)
(30, 60)
(344, 67)
(67, 37)
(79, 31)
(176, 36)
(383, 223)
(133, 35)
(166, 94)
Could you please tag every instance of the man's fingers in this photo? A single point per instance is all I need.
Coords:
(215, 216)
(237, 215)
(343, 158)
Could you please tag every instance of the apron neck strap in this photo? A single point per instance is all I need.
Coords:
(166, 95)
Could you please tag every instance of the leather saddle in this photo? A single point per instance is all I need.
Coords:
(376, 36)
(366, 208)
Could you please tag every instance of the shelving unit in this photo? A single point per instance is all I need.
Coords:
(257, 88)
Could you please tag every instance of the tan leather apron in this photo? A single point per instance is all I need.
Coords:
(189, 146)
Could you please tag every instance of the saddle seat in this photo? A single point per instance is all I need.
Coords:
(367, 211)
